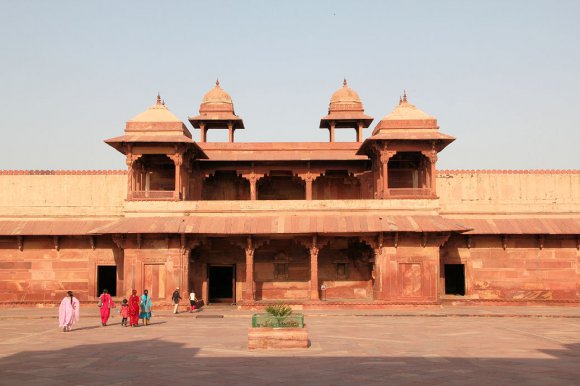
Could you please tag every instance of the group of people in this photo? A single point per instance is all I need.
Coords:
(176, 297)
(137, 307)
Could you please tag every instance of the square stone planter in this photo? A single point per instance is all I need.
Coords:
(277, 338)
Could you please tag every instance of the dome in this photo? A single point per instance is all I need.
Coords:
(407, 111)
(156, 113)
(217, 98)
(345, 97)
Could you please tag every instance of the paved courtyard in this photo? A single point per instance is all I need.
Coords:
(373, 349)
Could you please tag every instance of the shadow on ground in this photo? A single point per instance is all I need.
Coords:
(159, 362)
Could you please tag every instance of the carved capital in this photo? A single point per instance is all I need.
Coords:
(431, 155)
(252, 177)
(177, 158)
(131, 158)
(386, 155)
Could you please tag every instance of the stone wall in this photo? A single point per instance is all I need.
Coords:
(509, 192)
(516, 267)
(62, 193)
(41, 273)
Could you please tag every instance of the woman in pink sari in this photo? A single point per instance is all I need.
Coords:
(68, 312)
(134, 309)
(106, 303)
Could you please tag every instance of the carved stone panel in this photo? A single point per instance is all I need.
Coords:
(410, 279)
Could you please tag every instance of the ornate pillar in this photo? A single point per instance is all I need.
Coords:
(249, 249)
(308, 179)
(432, 156)
(130, 161)
(253, 179)
(178, 162)
(384, 156)
(314, 249)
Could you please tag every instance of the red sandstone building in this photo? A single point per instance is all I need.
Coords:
(372, 221)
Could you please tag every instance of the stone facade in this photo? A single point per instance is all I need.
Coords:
(364, 224)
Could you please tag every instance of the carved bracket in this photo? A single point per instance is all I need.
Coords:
(56, 240)
(92, 242)
(541, 240)
(119, 241)
(504, 242)
(139, 241)
(468, 241)
(424, 238)
(20, 243)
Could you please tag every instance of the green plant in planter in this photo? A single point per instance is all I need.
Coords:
(280, 314)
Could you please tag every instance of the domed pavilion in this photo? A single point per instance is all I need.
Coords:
(217, 112)
(345, 112)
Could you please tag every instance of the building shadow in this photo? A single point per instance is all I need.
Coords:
(161, 362)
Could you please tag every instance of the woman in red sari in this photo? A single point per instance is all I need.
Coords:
(134, 309)
(106, 303)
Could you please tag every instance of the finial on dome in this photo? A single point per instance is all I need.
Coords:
(344, 84)
(404, 95)
(400, 99)
(217, 82)
(163, 102)
(158, 98)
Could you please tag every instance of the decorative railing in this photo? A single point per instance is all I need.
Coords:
(409, 192)
(152, 195)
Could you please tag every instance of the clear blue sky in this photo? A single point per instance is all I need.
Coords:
(501, 76)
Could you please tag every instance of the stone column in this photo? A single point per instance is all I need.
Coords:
(384, 157)
(253, 179)
(331, 131)
(314, 294)
(359, 132)
(177, 161)
(308, 179)
(432, 156)
(203, 132)
(231, 132)
(130, 161)
(249, 293)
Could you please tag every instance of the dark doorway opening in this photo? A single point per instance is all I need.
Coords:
(455, 279)
(222, 281)
(107, 278)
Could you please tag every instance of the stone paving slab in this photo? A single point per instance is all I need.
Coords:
(401, 350)
(91, 310)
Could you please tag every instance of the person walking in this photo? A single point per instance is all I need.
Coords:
(68, 312)
(134, 308)
(176, 297)
(192, 301)
(146, 305)
(124, 311)
(105, 303)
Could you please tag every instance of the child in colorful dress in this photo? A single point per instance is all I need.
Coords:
(124, 311)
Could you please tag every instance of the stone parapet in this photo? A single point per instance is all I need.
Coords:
(178, 208)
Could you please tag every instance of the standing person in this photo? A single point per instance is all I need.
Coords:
(192, 301)
(68, 312)
(124, 311)
(146, 305)
(134, 308)
(105, 303)
(176, 297)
